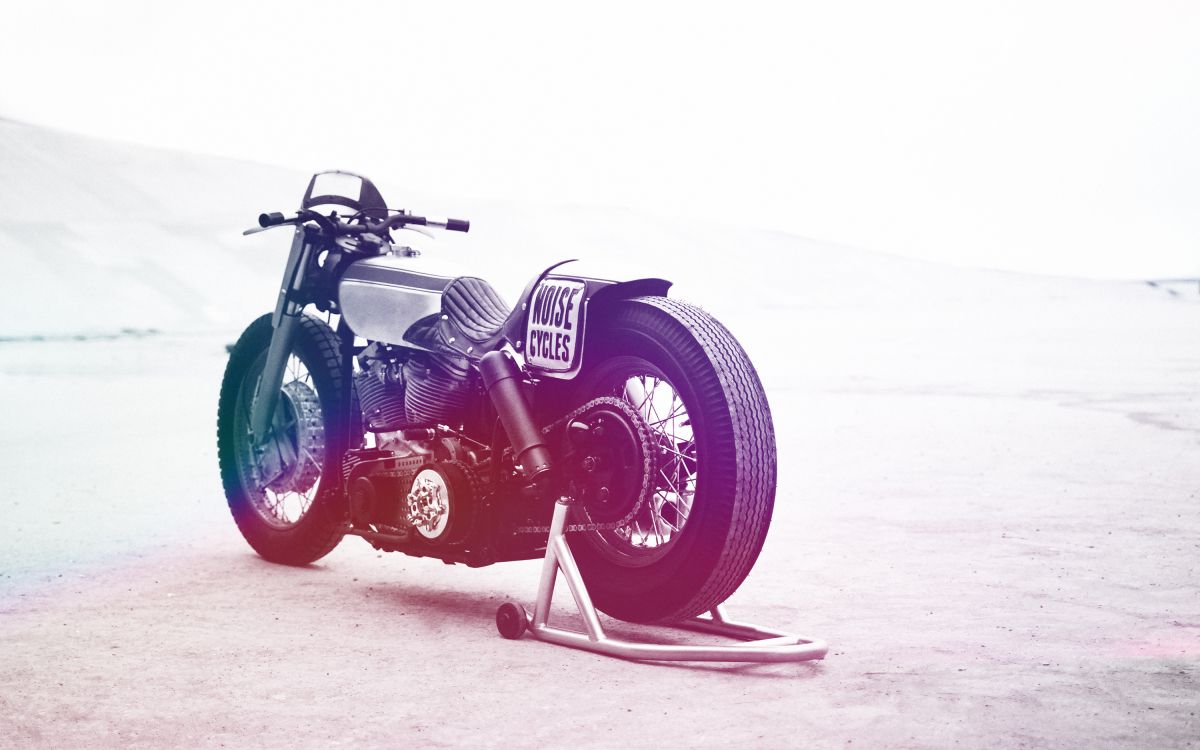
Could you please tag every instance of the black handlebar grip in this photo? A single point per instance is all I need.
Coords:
(270, 220)
(458, 225)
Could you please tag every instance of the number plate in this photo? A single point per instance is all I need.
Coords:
(552, 333)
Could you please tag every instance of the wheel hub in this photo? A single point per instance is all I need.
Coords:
(606, 463)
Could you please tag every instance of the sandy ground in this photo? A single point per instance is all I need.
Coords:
(987, 499)
(987, 505)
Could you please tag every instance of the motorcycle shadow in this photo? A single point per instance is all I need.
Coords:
(441, 610)
(440, 607)
(667, 635)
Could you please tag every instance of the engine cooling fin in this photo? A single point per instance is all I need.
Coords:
(382, 403)
(438, 389)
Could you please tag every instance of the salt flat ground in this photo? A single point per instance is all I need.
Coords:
(987, 501)
(987, 505)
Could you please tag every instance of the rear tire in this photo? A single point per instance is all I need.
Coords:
(720, 492)
(307, 518)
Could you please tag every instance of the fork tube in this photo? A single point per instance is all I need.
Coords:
(287, 314)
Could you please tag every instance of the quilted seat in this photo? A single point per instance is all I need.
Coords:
(474, 308)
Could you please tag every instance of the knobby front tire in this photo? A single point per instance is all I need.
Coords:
(299, 518)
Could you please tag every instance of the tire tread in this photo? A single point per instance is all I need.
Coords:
(719, 371)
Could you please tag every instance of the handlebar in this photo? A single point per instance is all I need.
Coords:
(451, 225)
(275, 219)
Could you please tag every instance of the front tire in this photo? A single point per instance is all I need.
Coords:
(297, 515)
(700, 534)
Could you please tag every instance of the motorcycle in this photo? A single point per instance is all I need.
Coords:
(419, 412)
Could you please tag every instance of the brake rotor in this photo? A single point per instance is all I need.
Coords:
(299, 439)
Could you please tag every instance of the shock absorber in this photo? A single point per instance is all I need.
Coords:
(502, 378)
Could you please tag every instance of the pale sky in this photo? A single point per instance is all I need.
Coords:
(1055, 137)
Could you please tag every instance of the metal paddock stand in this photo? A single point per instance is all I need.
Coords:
(759, 644)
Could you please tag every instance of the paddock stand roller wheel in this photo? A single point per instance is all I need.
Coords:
(511, 620)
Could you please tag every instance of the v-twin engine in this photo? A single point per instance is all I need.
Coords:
(399, 388)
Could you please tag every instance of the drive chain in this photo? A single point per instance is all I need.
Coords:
(644, 437)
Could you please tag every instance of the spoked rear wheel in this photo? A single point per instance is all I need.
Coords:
(285, 490)
(696, 536)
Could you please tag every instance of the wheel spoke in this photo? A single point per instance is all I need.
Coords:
(671, 415)
(305, 456)
(656, 520)
(666, 415)
(680, 454)
(682, 508)
(653, 408)
(667, 479)
(663, 520)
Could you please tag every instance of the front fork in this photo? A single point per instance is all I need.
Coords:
(284, 321)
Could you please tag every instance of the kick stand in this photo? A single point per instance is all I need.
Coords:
(760, 645)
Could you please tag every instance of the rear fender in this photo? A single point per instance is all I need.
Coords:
(556, 313)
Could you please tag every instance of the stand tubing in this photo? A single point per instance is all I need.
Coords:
(759, 644)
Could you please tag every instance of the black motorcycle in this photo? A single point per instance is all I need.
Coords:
(421, 413)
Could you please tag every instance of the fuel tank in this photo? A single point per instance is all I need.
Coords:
(383, 298)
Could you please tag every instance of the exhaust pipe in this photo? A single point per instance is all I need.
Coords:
(502, 378)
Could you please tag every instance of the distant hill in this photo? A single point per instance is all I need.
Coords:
(99, 237)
